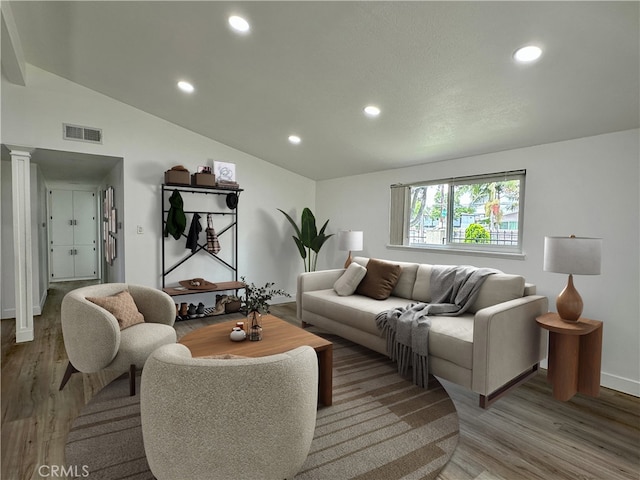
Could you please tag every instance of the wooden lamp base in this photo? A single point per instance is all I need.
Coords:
(349, 260)
(569, 303)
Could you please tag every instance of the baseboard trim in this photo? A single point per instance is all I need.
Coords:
(613, 382)
(37, 309)
(620, 384)
(43, 299)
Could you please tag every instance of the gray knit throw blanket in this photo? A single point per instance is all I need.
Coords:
(453, 291)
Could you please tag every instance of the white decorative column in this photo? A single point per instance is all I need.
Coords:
(21, 196)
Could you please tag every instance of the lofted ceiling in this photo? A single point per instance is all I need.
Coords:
(441, 72)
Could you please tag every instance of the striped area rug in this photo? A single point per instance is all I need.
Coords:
(380, 426)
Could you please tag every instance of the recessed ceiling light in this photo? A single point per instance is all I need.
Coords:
(239, 24)
(185, 86)
(294, 139)
(527, 54)
(371, 111)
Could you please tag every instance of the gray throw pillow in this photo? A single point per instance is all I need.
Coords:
(349, 280)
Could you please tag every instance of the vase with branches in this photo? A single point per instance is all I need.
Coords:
(256, 303)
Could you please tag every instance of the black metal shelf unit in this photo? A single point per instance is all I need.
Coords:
(233, 226)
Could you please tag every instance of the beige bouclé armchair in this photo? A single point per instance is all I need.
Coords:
(238, 418)
(93, 339)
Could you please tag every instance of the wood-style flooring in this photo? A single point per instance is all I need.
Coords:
(524, 435)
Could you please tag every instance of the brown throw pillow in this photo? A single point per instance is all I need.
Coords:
(122, 306)
(380, 280)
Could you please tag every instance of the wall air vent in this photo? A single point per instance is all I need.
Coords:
(81, 134)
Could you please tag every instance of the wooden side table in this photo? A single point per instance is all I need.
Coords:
(575, 353)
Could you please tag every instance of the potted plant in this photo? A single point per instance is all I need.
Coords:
(256, 303)
(308, 240)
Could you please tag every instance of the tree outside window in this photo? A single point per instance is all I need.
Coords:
(474, 212)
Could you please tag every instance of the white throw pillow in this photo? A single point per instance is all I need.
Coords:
(350, 280)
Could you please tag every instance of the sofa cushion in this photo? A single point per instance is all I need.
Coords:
(498, 288)
(349, 280)
(138, 342)
(380, 280)
(451, 338)
(422, 286)
(356, 311)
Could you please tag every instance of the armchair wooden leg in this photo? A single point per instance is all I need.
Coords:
(67, 375)
(132, 380)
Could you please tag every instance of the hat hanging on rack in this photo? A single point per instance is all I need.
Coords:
(232, 200)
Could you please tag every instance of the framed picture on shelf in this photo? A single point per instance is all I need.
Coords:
(224, 171)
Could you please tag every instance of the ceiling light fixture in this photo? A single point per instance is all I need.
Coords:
(185, 86)
(371, 111)
(239, 24)
(294, 139)
(527, 54)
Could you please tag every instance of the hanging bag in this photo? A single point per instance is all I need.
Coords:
(213, 245)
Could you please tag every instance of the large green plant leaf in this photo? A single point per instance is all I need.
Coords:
(292, 222)
(308, 227)
(324, 227)
(301, 247)
(316, 243)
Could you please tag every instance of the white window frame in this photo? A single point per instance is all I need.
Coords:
(400, 209)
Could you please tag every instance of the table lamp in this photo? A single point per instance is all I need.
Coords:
(575, 256)
(351, 241)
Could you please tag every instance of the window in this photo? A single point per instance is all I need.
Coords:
(480, 213)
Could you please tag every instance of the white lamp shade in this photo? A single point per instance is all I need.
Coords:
(351, 241)
(573, 255)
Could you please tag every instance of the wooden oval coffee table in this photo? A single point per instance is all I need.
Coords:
(278, 336)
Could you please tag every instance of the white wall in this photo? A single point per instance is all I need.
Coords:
(116, 272)
(33, 116)
(39, 241)
(586, 187)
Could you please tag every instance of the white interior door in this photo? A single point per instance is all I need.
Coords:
(84, 218)
(85, 261)
(61, 217)
(74, 231)
(62, 262)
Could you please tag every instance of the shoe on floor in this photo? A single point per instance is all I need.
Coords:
(219, 310)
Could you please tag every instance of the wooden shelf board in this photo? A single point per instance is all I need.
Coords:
(219, 287)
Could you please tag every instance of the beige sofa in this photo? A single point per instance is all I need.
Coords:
(494, 346)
